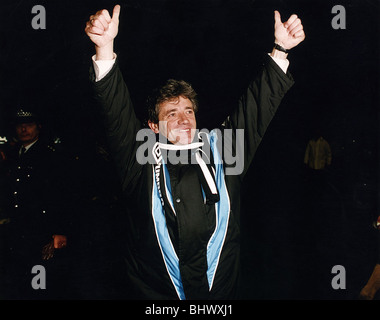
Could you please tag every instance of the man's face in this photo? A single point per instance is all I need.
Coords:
(27, 132)
(176, 121)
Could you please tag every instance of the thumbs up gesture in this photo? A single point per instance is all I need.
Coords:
(290, 33)
(102, 29)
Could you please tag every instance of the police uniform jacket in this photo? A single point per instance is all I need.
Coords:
(35, 205)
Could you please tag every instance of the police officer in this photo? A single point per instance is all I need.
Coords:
(35, 206)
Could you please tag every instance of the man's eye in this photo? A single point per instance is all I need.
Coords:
(190, 111)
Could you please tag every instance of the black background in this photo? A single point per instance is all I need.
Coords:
(290, 240)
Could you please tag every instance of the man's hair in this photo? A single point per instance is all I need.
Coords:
(171, 90)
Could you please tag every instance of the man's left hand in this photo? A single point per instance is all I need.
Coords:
(290, 33)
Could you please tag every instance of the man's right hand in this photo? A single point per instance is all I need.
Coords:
(102, 30)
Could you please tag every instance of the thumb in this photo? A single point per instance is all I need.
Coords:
(116, 13)
(277, 17)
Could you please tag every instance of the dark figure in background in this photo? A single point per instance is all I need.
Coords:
(317, 159)
(318, 153)
(33, 205)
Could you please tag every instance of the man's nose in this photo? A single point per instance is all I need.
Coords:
(182, 118)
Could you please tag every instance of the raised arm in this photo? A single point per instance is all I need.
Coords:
(257, 107)
(111, 92)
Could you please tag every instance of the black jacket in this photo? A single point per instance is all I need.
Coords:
(33, 198)
(195, 221)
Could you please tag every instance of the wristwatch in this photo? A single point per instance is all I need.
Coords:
(280, 48)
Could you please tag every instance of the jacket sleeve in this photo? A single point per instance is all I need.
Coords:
(256, 108)
(121, 123)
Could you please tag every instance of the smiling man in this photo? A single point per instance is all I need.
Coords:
(173, 114)
(183, 218)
